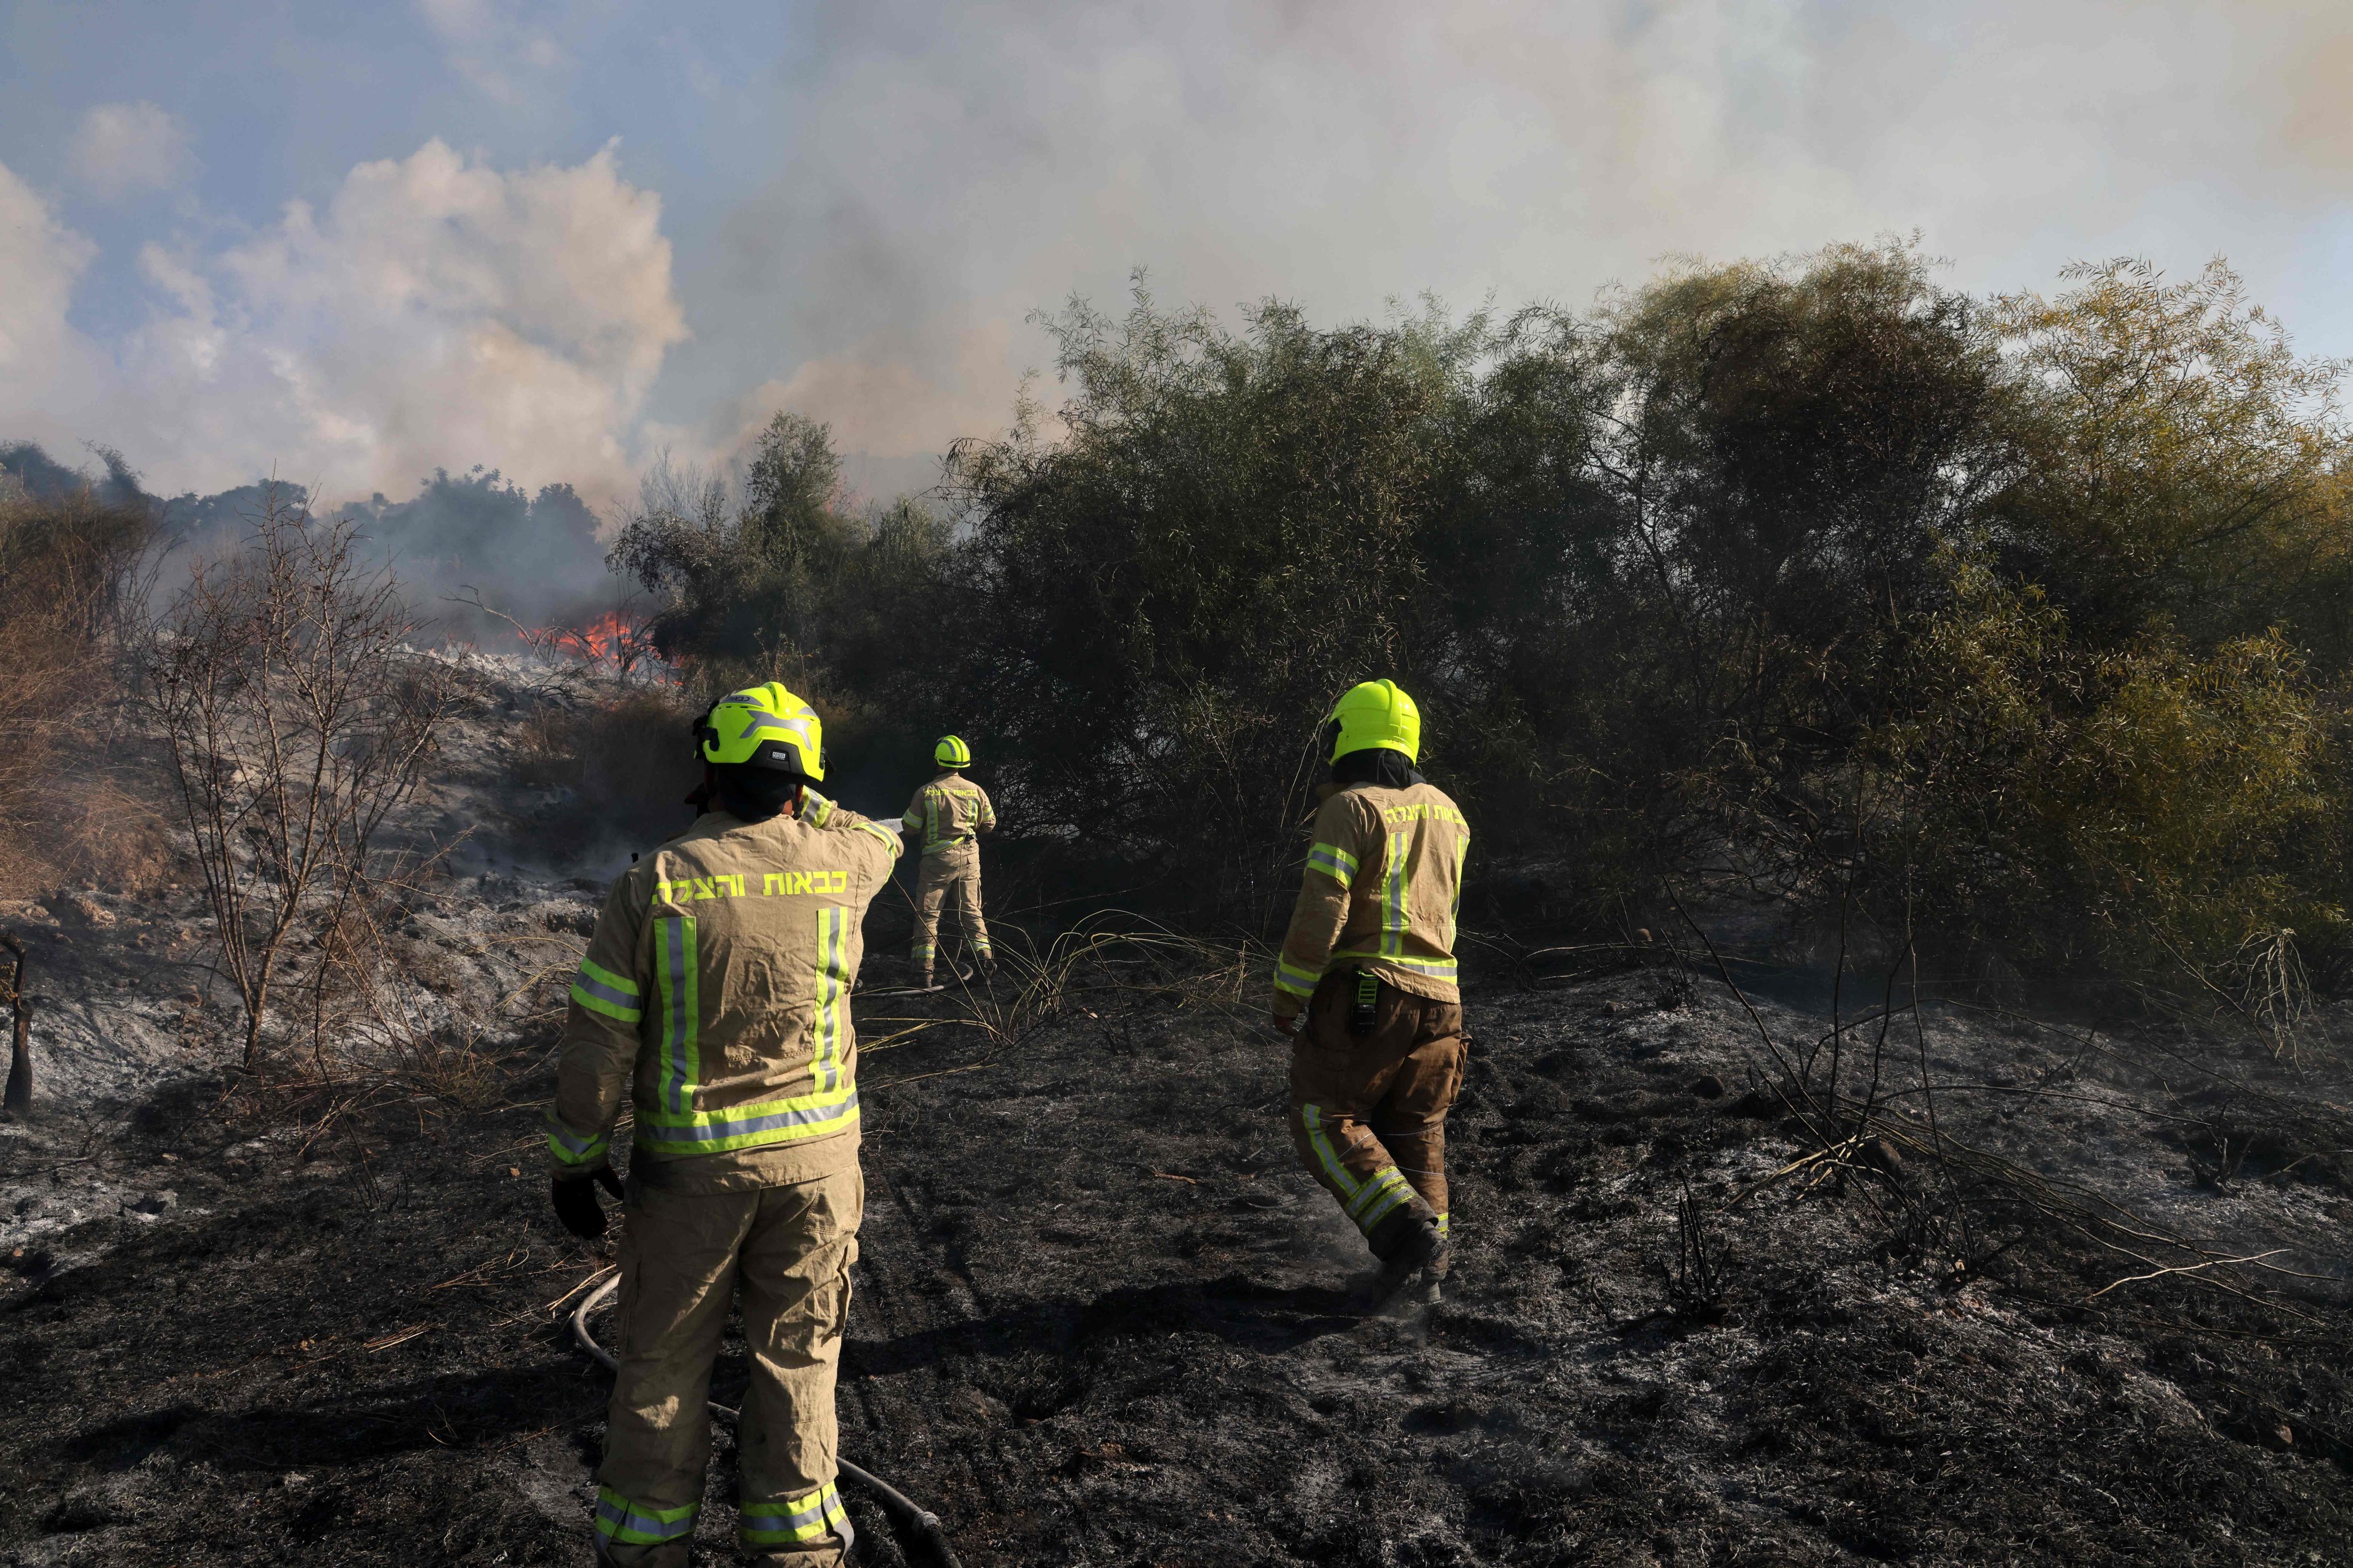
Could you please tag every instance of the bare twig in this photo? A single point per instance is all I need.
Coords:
(2185, 1269)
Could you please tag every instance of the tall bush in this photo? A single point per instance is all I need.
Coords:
(2011, 627)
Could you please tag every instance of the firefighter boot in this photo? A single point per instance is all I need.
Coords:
(1407, 1242)
(1441, 1263)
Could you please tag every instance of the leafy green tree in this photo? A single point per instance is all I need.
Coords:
(2015, 628)
(2183, 465)
(1227, 530)
(785, 584)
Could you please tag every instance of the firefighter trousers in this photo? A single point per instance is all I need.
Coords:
(1368, 1111)
(683, 1256)
(950, 876)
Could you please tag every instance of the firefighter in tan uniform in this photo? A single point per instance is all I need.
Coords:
(1370, 959)
(715, 997)
(949, 814)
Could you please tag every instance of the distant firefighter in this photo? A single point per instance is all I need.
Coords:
(951, 812)
(1370, 957)
(715, 997)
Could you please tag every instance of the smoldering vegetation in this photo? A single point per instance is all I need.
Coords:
(1905, 946)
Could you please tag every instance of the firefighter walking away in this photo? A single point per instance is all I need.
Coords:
(948, 817)
(715, 997)
(1369, 958)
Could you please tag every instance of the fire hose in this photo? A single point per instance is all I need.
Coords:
(917, 1519)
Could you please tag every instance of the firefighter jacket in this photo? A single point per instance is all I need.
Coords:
(716, 995)
(1382, 886)
(949, 813)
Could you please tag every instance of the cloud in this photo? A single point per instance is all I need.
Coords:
(435, 311)
(41, 261)
(126, 148)
(867, 201)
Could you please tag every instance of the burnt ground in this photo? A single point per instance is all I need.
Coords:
(1102, 1319)
(316, 1317)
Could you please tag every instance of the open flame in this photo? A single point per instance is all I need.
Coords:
(615, 639)
(606, 636)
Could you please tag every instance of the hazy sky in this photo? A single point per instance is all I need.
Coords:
(352, 243)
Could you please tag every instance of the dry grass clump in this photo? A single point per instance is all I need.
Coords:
(628, 763)
(73, 787)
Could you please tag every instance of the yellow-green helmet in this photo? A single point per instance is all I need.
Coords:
(952, 753)
(1376, 714)
(763, 727)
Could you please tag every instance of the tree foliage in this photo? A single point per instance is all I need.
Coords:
(2015, 627)
(784, 580)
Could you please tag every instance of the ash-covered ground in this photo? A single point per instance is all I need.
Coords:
(1102, 1319)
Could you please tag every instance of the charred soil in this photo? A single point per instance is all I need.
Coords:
(1102, 1319)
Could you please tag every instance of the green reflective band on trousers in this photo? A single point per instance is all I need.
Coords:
(675, 986)
(618, 1519)
(1382, 1194)
(601, 991)
(811, 1517)
(1366, 1203)
(574, 1151)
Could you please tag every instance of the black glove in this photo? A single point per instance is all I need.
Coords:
(575, 1201)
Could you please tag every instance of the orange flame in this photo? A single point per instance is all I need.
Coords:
(605, 637)
(614, 638)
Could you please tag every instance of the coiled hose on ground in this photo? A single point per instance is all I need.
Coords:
(917, 1519)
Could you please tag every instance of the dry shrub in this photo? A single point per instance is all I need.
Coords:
(2150, 811)
(73, 798)
(298, 720)
(628, 763)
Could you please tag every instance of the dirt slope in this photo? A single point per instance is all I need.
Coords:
(1102, 1319)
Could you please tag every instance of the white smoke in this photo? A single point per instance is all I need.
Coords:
(870, 201)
